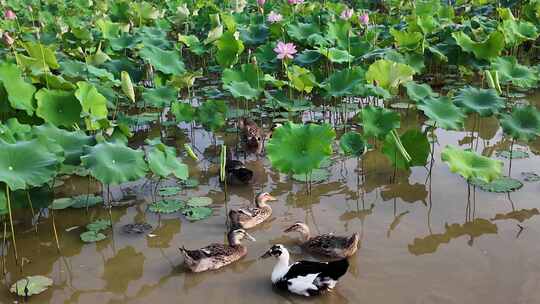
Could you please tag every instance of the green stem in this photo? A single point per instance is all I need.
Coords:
(11, 224)
(400, 146)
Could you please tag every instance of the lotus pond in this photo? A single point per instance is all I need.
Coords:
(413, 123)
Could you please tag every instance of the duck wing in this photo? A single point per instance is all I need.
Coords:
(310, 278)
(327, 244)
(211, 250)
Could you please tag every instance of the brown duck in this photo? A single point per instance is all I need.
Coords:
(215, 256)
(252, 135)
(326, 244)
(252, 216)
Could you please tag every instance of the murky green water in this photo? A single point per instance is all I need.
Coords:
(424, 239)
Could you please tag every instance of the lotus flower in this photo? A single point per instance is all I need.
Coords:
(347, 14)
(9, 14)
(274, 17)
(285, 50)
(296, 1)
(364, 19)
(261, 2)
(8, 39)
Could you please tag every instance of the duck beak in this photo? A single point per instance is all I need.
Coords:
(290, 229)
(266, 255)
(250, 237)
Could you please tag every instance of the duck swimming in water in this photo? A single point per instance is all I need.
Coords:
(305, 278)
(236, 172)
(215, 256)
(252, 135)
(329, 245)
(252, 216)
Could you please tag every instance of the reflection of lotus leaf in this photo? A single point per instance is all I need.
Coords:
(500, 185)
(351, 143)
(443, 112)
(514, 154)
(518, 215)
(522, 124)
(83, 201)
(530, 176)
(316, 176)
(300, 148)
(415, 143)
(407, 192)
(485, 102)
(471, 165)
(31, 285)
(378, 122)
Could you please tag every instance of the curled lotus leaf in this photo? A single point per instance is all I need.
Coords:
(443, 112)
(522, 124)
(471, 165)
(378, 122)
(352, 143)
(485, 102)
(511, 71)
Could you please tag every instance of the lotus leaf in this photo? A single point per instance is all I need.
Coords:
(443, 112)
(72, 143)
(183, 111)
(58, 107)
(342, 83)
(530, 176)
(20, 93)
(242, 89)
(197, 213)
(86, 200)
(61, 203)
(249, 73)
(168, 62)
(169, 191)
(378, 122)
(487, 49)
(514, 154)
(190, 183)
(114, 163)
(31, 285)
(485, 102)
(42, 55)
(199, 201)
(303, 32)
(166, 206)
(471, 165)
(511, 71)
(301, 79)
(98, 225)
(92, 236)
(315, 176)
(336, 55)
(352, 143)
(389, 74)
(516, 32)
(419, 92)
(212, 113)
(279, 100)
(307, 57)
(229, 49)
(415, 143)
(160, 97)
(300, 148)
(407, 40)
(522, 124)
(163, 162)
(499, 185)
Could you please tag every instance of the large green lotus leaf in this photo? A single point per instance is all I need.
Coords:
(26, 163)
(249, 73)
(124, 41)
(303, 32)
(72, 143)
(471, 165)
(301, 79)
(144, 11)
(522, 124)
(340, 32)
(300, 148)
(160, 97)
(60, 108)
(44, 55)
(415, 143)
(407, 40)
(212, 113)
(419, 92)
(94, 105)
(169, 191)
(336, 55)
(427, 7)
(229, 49)
(20, 93)
(443, 112)
(378, 122)
(280, 100)
(254, 34)
(163, 162)
(193, 43)
(31, 285)
(487, 49)
(516, 32)
(485, 102)
(307, 57)
(183, 111)
(511, 71)
(352, 143)
(389, 74)
(343, 83)
(168, 62)
(92, 236)
(108, 29)
(12, 131)
(414, 60)
(114, 163)
(242, 89)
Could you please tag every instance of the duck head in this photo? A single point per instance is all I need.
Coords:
(263, 198)
(237, 235)
(278, 251)
(299, 227)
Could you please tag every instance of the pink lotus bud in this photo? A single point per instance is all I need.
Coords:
(8, 39)
(364, 18)
(261, 2)
(9, 15)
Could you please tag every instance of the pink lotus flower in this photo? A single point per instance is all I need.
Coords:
(364, 19)
(285, 50)
(9, 14)
(347, 13)
(274, 17)
(7, 39)
(261, 2)
(296, 1)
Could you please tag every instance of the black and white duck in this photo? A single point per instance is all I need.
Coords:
(252, 216)
(306, 278)
(215, 256)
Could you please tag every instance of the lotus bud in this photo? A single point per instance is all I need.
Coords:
(261, 2)
(364, 19)
(8, 39)
(9, 15)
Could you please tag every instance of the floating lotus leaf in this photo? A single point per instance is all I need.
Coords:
(511, 71)
(389, 74)
(169, 191)
(485, 102)
(300, 148)
(20, 93)
(378, 122)
(487, 49)
(31, 285)
(72, 143)
(98, 225)
(212, 113)
(315, 176)
(190, 183)
(522, 124)
(92, 236)
(199, 201)
(166, 206)
(60, 108)
(163, 162)
(515, 154)
(197, 213)
(183, 112)
(499, 185)
(168, 62)
(471, 165)
(114, 163)
(242, 89)
(530, 176)
(443, 112)
(160, 97)
(86, 200)
(342, 83)
(229, 49)
(419, 92)
(415, 143)
(26, 163)
(352, 143)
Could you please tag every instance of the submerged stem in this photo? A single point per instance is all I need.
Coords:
(11, 225)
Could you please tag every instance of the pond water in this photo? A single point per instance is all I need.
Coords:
(424, 237)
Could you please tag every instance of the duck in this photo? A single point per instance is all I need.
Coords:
(250, 217)
(236, 172)
(252, 135)
(305, 278)
(329, 245)
(215, 256)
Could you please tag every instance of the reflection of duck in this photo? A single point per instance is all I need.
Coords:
(250, 217)
(306, 278)
(252, 135)
(326, 244)
(236, 172)
(215, 256)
